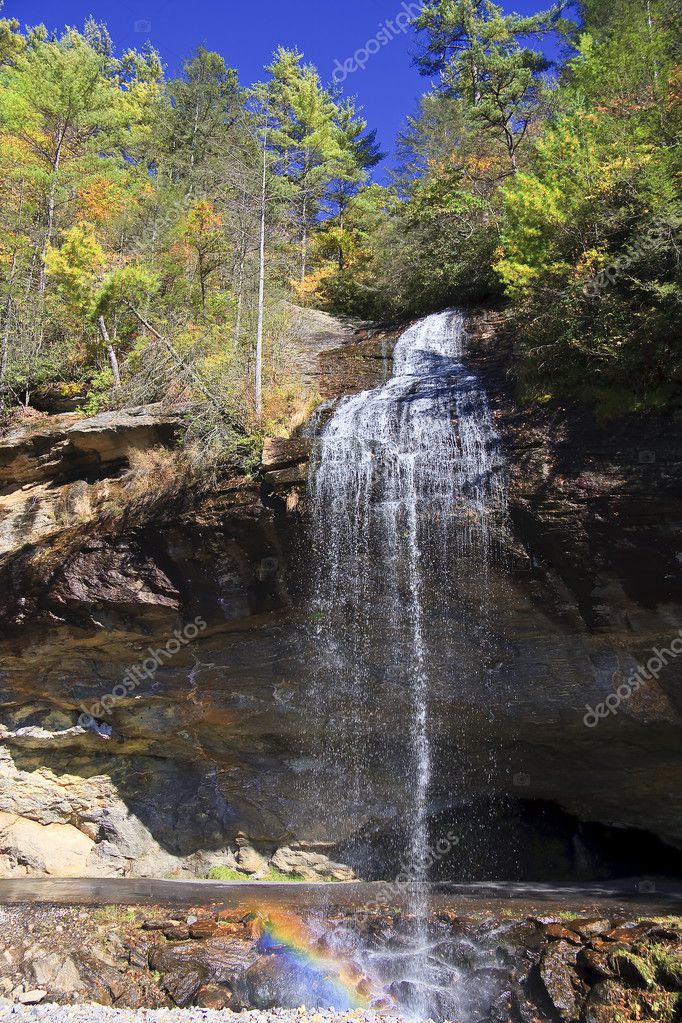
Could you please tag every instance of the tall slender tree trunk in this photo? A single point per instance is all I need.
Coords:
(511, 146)
(4, 354)
(304, 231)
(51, 200)
(304, 240)
(261, 289)
(476, 91)
(9, 304)
(656, 74)
(192, 161)
(475, 71)
(240, 288)
(113, 361)
(202, 284)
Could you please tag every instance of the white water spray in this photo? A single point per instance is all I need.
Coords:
(409, 483)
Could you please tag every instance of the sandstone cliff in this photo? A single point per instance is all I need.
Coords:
(212, 758)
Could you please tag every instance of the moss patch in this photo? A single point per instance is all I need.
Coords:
(635, 968)
(226, 874)
(667, 964)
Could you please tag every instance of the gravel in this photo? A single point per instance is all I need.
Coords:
(102, 1014)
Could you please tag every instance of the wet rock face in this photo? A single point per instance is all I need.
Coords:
(219, 739)
(93, 596)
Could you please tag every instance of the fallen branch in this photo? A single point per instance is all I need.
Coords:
(217, 402)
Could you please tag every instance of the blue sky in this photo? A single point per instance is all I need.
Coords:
(246, 32)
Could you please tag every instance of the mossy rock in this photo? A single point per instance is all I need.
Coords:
(668, 966)
(634, 969)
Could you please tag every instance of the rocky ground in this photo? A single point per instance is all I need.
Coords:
(121, 963)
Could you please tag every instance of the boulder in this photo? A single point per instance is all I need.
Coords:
(219, 960)
(628, 934)
(589, 928)
(633, 969)
(604, 1002)
(32, 997)
(55, 973)
(594, 964)
(204, 929)
(557, 932)
(556, 972)
(248, 859)
(68, 978)
(310, 865)
(183, 985)
(282, 453)
(274, 982)
(57, 849)
(216, 997)
(72, 447)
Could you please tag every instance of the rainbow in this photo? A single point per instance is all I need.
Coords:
(324, 979)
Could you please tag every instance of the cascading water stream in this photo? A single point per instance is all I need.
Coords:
(405, 493)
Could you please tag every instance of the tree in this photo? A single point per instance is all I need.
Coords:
(58, 100)
(12, 42)
(75, 269)
(202, 234)
(316, 140)
(204, 104)
(589, 251)
(482, 60)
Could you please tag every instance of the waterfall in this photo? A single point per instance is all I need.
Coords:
(406, 489)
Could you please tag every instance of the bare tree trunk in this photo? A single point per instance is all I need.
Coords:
(51, 199)
(261, 290)
(656, 83)
(190, 182)
(304, 232)
(304, 240)
(240, 289)
(511, 148)
(475, 85)
(4, 355)
(113, 361)
(202, 285)
(9, 305)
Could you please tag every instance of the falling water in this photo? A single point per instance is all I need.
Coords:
(405, 492)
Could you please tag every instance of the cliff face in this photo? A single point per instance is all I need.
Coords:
(99, 590)
(185, 610)
(596, 510)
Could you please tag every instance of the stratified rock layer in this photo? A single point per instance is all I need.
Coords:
(217, 750)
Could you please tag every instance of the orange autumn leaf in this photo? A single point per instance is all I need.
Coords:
(100, 200)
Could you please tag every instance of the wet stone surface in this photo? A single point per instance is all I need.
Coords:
(114, 962)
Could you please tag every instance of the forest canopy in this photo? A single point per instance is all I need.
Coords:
(552, 188)
(154, 230)
(132, 214)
